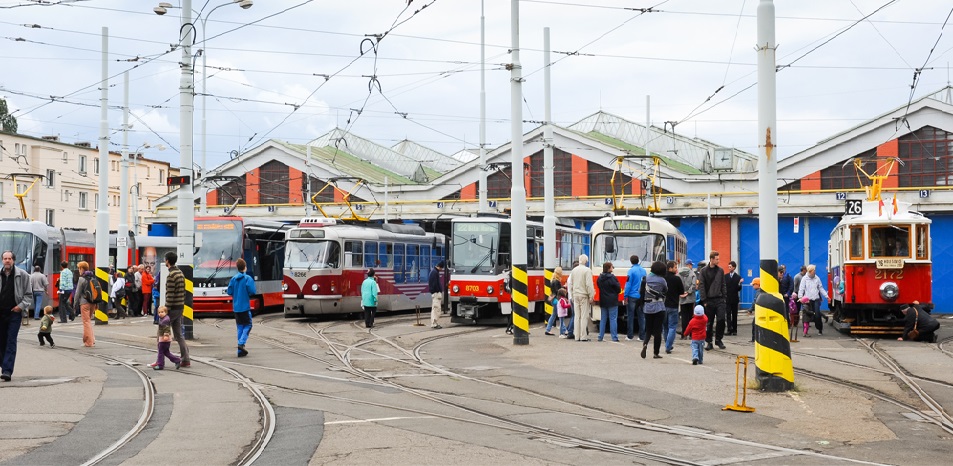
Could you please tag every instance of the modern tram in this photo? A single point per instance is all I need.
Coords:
(879, 259)
(325, 263)
(480, 266)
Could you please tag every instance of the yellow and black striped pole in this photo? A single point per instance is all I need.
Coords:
(100, 314)
(518, 292)
(187, 314)
(548, 307)
(772, 350)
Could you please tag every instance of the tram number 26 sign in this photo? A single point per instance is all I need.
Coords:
(853, 207)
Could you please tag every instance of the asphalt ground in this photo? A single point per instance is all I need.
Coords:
(459, 395)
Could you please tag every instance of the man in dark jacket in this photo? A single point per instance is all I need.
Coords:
(733, 283)
(437, 287)
(15, 298)
(712, 292)
(676, 291)
(785, 283)
(922, 321)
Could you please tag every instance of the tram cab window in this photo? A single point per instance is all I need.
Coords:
(890, 241)
(923, 242)
(857, 242)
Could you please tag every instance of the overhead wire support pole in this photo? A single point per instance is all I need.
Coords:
(484, 205)
(519, 281)
(549, 219)
(185, 240)
(774, 369)
(122, 248)
(101, 269)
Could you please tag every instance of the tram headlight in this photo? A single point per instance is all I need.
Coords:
(455, 289)
(315, 287)
(284, 287)
(889, 291)
(489, 289)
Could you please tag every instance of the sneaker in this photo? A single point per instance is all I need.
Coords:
(52, 346)
(721, 345)
(178, 364)
(562, 336)
(628, 339)
(668, 351)
(437, 326)
(5, 377)
(599, 340)
(644, 349)
(550, 334)
(154, 365)
(242, 352)
(616, 340)
(639, 338)
(185, 364)
(158, 368)
(695, 362)
(709, 347)
(820, 332)
(656, 357)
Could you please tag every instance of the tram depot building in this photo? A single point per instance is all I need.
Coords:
(699, 182)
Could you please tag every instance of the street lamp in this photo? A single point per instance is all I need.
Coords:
(162, 9)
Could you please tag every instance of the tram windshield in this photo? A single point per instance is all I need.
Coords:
(221, 247)
(890, 241)
(477, 248)
(21, 243)
(617, 248)
(313, 255)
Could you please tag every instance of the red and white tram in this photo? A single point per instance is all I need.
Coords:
(325, 263)
(617, 238)
(879, 259)
(480, 266)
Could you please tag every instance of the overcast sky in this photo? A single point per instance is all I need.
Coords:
(266, 61)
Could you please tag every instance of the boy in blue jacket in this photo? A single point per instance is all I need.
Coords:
(241, 288)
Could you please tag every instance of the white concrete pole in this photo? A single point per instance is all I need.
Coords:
(102, 210)
(549, 188)
(185, 239)
(483, 206)
(518, 283)
(122, 249)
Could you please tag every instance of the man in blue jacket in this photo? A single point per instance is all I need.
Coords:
(241, 288)
(437, 287)
(633, 298)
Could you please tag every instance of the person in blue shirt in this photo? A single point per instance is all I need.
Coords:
(633, 298)
(369, 292)
(241, 288)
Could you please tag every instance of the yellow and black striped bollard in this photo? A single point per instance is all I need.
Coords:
(518, 291)
(100, 314)
(548, 273)
(187, 314)
(772, 350)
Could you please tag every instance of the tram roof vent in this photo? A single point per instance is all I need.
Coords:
(404, 229)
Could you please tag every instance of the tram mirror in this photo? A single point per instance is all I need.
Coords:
(610, 245)
(247, 244)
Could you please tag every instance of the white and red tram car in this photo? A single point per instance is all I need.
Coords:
(326, 262)
(879, 258)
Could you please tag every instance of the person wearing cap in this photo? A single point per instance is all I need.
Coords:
(756, 284)
(919, 325)
(696, 331)
(687, 303)
(437, 287)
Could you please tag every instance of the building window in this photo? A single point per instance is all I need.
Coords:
(50, 182)
(96, 205)
(499, 184)
(148, 171)
(562, 174)
(842, 176)
(273, 183)
(96, 165)
(82, 164)
(161, 177)
(65, 157)
(48, 215)
(231, 192)
(316, 185)
(139, 189)
(82, 200)
(927, 156)
(600, 178)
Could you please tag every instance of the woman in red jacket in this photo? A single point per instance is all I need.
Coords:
(147, 281)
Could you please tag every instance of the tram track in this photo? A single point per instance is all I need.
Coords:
(597, 415)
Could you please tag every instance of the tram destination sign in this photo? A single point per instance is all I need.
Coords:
(628, 224)
(889, 263)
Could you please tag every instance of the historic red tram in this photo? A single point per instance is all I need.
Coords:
(879, 258)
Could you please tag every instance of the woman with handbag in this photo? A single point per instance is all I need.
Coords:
(811, 290)
(919, 324)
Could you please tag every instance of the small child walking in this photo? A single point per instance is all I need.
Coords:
(696, 331)
(562, 311)
(794, 319)
(46, 327)
(164, 337)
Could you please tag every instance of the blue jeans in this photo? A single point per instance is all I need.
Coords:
(671, 323)
(37, 304)
(9, 329)
(565, 325)
(612, 315)
(552, 321)
(698, 350)
(631, 309)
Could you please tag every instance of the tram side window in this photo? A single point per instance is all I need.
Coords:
(353, 253)
(923, 242)
(398, 263)
(370, 258)
(411, 272)
(385, 250)
(425, 264)
(857, 242)
(272, 261)
(565, 252)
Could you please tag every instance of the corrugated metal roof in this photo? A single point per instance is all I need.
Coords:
(348, 164)
(428, 157)
(376, 154)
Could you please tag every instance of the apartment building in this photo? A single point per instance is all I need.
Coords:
(67, 193)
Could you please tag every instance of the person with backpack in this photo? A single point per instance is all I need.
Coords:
(88, 295)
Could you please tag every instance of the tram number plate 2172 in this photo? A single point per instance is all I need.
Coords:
(889, 263)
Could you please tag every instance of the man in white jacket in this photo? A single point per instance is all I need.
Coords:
(583, 294)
